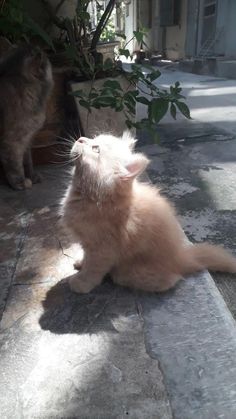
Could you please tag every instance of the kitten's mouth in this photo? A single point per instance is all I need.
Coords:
(75, 155)
(76, 151)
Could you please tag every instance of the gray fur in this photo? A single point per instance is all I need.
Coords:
(25, 84)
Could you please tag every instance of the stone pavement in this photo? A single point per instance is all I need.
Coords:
(116, 353)
(199, 174)
(65, 355)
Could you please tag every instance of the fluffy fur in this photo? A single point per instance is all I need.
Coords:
(25, 84)
(126, 227)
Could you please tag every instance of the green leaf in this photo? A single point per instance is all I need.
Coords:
(119, 107)
(138, 36)
(129, 123)
(132, 93)
(143, 100)
(178, 96)
(93, 95)
(154, 75)
(120, 35)
(137, 71)
(157, 109)
(112, 84)
(78, 93)
(96, 105)
(136, 67)
(83, 15)
(131, 107)
(85, 104)
(148, 66)
(38, 30)
(183, 109)
(173, 110)
(107, 91)
(130, 97)
(106, 101)
(124, 52)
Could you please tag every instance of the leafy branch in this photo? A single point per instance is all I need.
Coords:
(142, 90)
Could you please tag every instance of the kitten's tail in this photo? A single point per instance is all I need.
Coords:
(205, 256)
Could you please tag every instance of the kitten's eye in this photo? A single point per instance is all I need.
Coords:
(96, 148)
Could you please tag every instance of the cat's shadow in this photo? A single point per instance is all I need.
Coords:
(68, 312)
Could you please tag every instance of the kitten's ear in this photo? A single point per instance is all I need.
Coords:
(136, 166)
(128, 137)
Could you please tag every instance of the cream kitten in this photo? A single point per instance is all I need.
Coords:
(125, 227)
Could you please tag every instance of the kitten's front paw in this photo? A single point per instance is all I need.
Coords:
(81, 287)
(19, 184)
(36, 178)
(27, 183)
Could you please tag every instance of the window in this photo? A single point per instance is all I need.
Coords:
(170, 12)
(209, 10)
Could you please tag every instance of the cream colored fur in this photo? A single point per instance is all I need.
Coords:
(125, 227)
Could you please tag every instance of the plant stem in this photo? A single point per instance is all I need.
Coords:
(2, 5)
(102, 23)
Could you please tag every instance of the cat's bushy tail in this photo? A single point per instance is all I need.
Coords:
(205, 256)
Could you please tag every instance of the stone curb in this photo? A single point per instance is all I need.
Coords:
(192, 334)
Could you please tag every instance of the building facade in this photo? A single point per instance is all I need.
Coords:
(211, 28)
(186, 28)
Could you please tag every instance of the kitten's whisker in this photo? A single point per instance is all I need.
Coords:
(66, 140)
(73, 138)
(76, 135)
(62, 163)
(62, 154)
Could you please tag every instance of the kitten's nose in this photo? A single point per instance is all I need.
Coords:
(81, 140)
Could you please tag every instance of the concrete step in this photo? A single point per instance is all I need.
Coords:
(226, 68)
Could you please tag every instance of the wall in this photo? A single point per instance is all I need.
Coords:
(222, 28)
(170, 38)
(156, 31)
(193, 9)
(130, 23)
(138, 12)
(225, 44)
(175, 36)
(230, 34)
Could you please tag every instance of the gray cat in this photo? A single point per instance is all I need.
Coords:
(25, 84)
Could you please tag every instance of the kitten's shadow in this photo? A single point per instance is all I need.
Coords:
(68, 312)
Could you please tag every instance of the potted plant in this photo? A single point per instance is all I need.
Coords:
(106, 95)
(108, 101)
